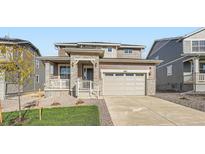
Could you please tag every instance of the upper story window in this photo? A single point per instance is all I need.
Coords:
(109, 49)
(37, 63)
(128, 51)
(198, 46)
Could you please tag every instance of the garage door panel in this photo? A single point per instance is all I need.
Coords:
(131, 84)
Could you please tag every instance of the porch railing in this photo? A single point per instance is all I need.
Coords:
(200, 77)
(188, 78)
(87, 86)
(196, 77)
(58, 84)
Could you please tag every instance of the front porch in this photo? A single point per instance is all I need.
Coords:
(194, 73)
(78, 76)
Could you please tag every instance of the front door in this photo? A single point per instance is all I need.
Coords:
(88, 73)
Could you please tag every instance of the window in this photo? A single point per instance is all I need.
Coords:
(128, 51)
(64, 72)
(202, 67)
(198, 46)
(169, 70)
(139, 74)
(108, 74)
(109, 49)
(37, 78)
(129, 74)
(37, 63)
(119, 74)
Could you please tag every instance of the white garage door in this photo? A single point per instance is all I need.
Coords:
(124, 84)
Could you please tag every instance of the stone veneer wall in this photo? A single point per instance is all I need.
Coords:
(151, 87)
(74, 69)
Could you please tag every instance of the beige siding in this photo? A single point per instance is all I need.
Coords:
(61, 52)
(200, 35)
(112, 54)
(187, 47)
(134, 54)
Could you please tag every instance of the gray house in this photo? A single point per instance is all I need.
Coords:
(183, 66)
(36, 80)
(92, 69)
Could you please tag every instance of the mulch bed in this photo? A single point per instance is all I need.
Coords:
(105, 117)
(189, 100)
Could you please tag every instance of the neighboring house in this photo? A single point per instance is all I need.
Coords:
(36, 80)
(99, 68)
(183, 66)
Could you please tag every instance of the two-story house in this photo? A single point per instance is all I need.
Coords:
(99, 68)
(183, 66)
(36, 80)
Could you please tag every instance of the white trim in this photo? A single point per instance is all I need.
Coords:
(169, 70)
(38, 81)
(170, 62)
(194, 39)
(59, 65)
(56, 89)
(85, 67)
(188, 59)
(37, 63)
(122, 71)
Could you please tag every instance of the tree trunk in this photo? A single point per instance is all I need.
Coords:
(19, 102)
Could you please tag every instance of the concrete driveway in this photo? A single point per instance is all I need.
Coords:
(146, 110)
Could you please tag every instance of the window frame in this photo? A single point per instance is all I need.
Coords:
(169, 70)
(128, 51)
(59, 71)
(202, 69)
(37, 78)
(108, 49)
(198, 45)
(37, 63)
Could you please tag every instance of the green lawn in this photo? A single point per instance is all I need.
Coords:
(62, 116)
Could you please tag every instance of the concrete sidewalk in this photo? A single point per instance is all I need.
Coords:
(146, 110)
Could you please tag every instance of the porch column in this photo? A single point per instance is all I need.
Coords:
(47, 73)
(196, 72)
(196, 65)
(73, 75)
(96, 73)
(96, 70)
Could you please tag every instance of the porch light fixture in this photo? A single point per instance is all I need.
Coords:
(150, 71)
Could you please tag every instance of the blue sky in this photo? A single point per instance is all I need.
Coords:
(44, 38)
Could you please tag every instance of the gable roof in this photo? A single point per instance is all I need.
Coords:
(121, 45)
(7, 40)
(159, 43)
